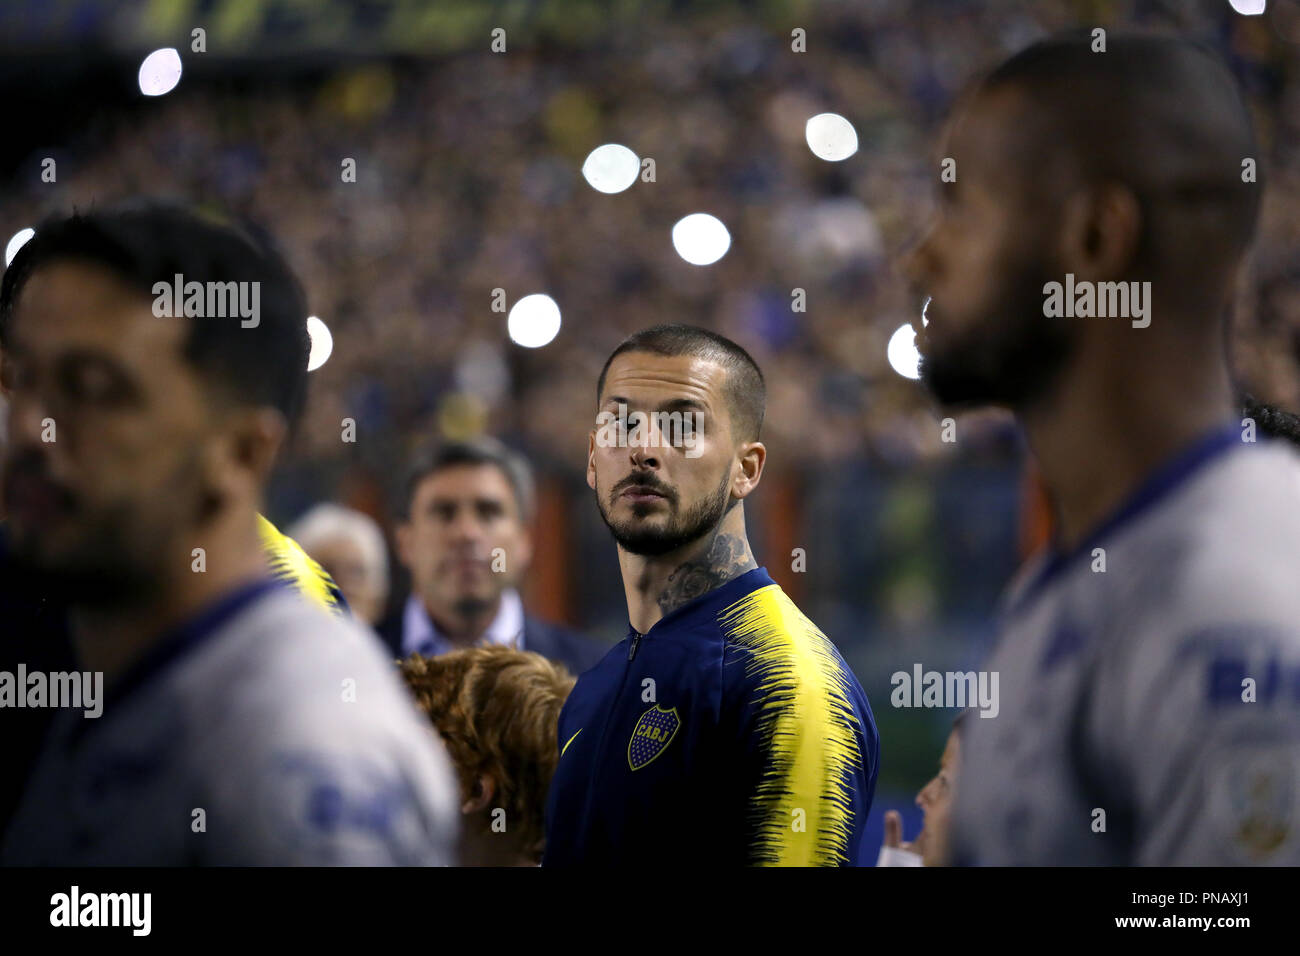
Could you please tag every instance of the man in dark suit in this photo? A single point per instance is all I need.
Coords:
(465, 541)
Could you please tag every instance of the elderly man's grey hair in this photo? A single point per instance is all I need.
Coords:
(327, 521)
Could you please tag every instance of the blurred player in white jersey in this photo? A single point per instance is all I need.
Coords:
(241, 723)
(1150, 661)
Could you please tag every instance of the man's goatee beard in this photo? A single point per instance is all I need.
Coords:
(694, 525)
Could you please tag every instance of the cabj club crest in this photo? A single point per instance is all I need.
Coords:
(651, 735)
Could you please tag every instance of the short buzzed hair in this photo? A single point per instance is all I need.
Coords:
(1159, 114)
(327, 521)
(745, 390)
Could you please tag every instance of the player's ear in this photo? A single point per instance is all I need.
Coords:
(480, 797)
(751, 456)
(524, 550)
(1100, 231)
(246, 444)
(591, 459)
(402, 539)
(261, 443)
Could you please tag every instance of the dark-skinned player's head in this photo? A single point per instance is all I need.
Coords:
(676, 443)
(131, 432)
(1116, 166)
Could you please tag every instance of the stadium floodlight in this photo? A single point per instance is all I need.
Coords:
(831, 137)
(17, 242)
(160, 72)
(611, 168)
(1248, 8)
(534, 321)
(701, 239)
(322, 343)
(902, 354)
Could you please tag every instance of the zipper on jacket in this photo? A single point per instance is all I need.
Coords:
(636, 640)
(604, 733)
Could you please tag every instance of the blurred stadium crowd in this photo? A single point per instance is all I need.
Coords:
(468, 180)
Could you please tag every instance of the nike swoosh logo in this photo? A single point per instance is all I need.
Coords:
(571, 740)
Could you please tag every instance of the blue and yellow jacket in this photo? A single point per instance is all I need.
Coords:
(731, 733)
(293, 566)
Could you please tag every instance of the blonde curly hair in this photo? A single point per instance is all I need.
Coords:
(497, 710)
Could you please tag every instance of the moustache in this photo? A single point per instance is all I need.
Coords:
(466, 557)
(643, 479)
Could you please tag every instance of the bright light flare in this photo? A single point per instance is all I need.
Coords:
(831, 137)
(17, 242)
(701, 239)
(611, 168)
(534, 321)
(160, 72)
(322, 343)
(902, 354)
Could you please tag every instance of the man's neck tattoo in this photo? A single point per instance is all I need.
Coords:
(727, 557)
